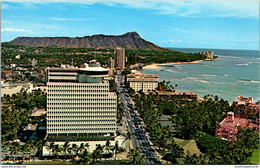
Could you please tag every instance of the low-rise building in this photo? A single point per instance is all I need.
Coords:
(144, 82)
(243, 100)
(228, 128)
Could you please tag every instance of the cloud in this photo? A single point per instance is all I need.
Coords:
(55, 1)
(14, 30)
(68, 19)
(179, 30)
(209, 8)
(5, 6)
(171, 41)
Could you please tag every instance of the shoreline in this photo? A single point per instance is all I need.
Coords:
(156, 66)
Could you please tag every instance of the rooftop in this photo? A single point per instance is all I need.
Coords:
(94, 69)
(142, 75)
(143, 79)
(39, 112)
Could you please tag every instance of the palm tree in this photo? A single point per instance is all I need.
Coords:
(49, 147)
(87, 145)
(56, 150)
(30, 147)
(35, 146)
(116, 148)
(107, 146)
(65, 148)
(84, 158)
(24, 149)
(99, 150)
(175, 151)
(75, 150)
(70, 151)
(135, 156)
(94, 155)
(81, 148)
(40, 145)
(15, 147)
(129, 138)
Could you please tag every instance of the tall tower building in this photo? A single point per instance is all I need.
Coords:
(111, 65)
(79, 102)
(120, 58)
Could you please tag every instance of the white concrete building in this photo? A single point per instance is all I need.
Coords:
(79, 102)
(143, 82)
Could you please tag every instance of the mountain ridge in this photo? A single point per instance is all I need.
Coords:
(131, 40)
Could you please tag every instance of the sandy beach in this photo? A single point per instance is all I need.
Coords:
(156, 66)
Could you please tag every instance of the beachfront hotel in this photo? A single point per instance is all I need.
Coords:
(143, 82)
(229, 126)
(79, 101)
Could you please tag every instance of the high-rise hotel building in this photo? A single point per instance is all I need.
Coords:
(79, 101)
(120, 58)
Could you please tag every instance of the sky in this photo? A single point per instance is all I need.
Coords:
(189, 24)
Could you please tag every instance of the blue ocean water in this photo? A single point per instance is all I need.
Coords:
(234, 73)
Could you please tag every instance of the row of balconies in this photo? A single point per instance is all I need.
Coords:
(80, 120)
(100, 118)
(79, 126)
(84, 123)
(68, 130)
(51, 102)
(83, 97)
(77, 96)
(68, 110)
(78, 115)
(80, 108)
(81, 88)
(82, 105)
(61, 85)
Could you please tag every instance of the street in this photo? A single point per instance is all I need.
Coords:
(135, 124)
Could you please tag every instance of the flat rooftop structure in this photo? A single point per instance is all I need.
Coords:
(142, 75)
(30, 127)
(143, 79)
(176, 93)
(234, 123)
(38, 113)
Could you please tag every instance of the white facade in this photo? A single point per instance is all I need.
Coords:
(78, 107)
(143, 85)
(143, 82)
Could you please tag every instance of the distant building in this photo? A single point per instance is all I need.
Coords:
(209, 54)
(34, 62)
(144, 82)
(111, 65)
(243, 100)
(17, 56)
(3, 75)
(120, 58)
(13, 65)
(164, 94)
(228, 128)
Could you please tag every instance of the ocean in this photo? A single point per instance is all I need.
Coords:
(234, 73)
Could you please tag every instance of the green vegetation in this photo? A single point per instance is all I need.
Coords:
(48, 163)
(194, 120)
(50, 56)
(120, 113)
(255, 157)
(135, 156)
(160, 56)
(16, 109)
(79, 138)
